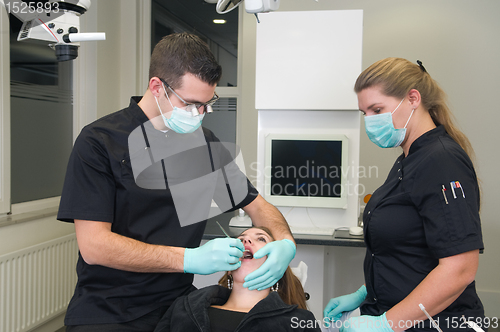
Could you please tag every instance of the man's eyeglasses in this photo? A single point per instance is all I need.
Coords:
(197, 107)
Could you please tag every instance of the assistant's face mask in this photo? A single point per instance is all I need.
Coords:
(380, 129)
(181, 121)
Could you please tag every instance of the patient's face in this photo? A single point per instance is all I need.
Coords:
(253, 239)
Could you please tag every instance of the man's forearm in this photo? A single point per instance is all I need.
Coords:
(99, 246)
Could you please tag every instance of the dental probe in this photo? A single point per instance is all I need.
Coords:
(226, 233)
(430, 318)
(222, 229)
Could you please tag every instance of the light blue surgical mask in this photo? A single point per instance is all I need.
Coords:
(380, 129)
(181, 121)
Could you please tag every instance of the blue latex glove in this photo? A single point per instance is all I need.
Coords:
(279, 255)
(216, 255)
(338, 305)
(367, 324)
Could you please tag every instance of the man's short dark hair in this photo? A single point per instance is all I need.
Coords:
(181, 53)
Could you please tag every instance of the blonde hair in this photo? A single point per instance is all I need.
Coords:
(289, 287)
(396, 77)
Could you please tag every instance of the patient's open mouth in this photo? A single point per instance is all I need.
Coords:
(247, 254)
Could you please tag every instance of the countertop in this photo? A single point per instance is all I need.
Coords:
(341, 237)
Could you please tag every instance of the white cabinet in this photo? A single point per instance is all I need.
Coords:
(308, 60)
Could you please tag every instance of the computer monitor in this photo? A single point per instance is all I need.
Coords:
(306, 170)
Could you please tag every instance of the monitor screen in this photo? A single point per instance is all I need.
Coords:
(306, 170)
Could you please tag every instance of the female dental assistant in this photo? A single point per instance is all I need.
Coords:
(422, 227)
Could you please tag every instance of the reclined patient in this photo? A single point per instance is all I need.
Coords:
(231, 307)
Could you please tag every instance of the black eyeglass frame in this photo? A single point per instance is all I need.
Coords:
(207, 107)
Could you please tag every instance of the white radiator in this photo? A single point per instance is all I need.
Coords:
(37, 283)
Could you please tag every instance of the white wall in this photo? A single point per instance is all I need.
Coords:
(457, 40)
(123, 60)
(19, 236)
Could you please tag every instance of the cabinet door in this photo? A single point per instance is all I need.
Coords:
(308, 60)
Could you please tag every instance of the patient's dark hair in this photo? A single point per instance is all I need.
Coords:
(181, 53)
(290, 289)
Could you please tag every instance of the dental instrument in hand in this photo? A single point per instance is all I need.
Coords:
(247, 253)
(222, 229)
(436, 326)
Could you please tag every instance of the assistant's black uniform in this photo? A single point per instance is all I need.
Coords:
(427, 209)
(100, 186)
